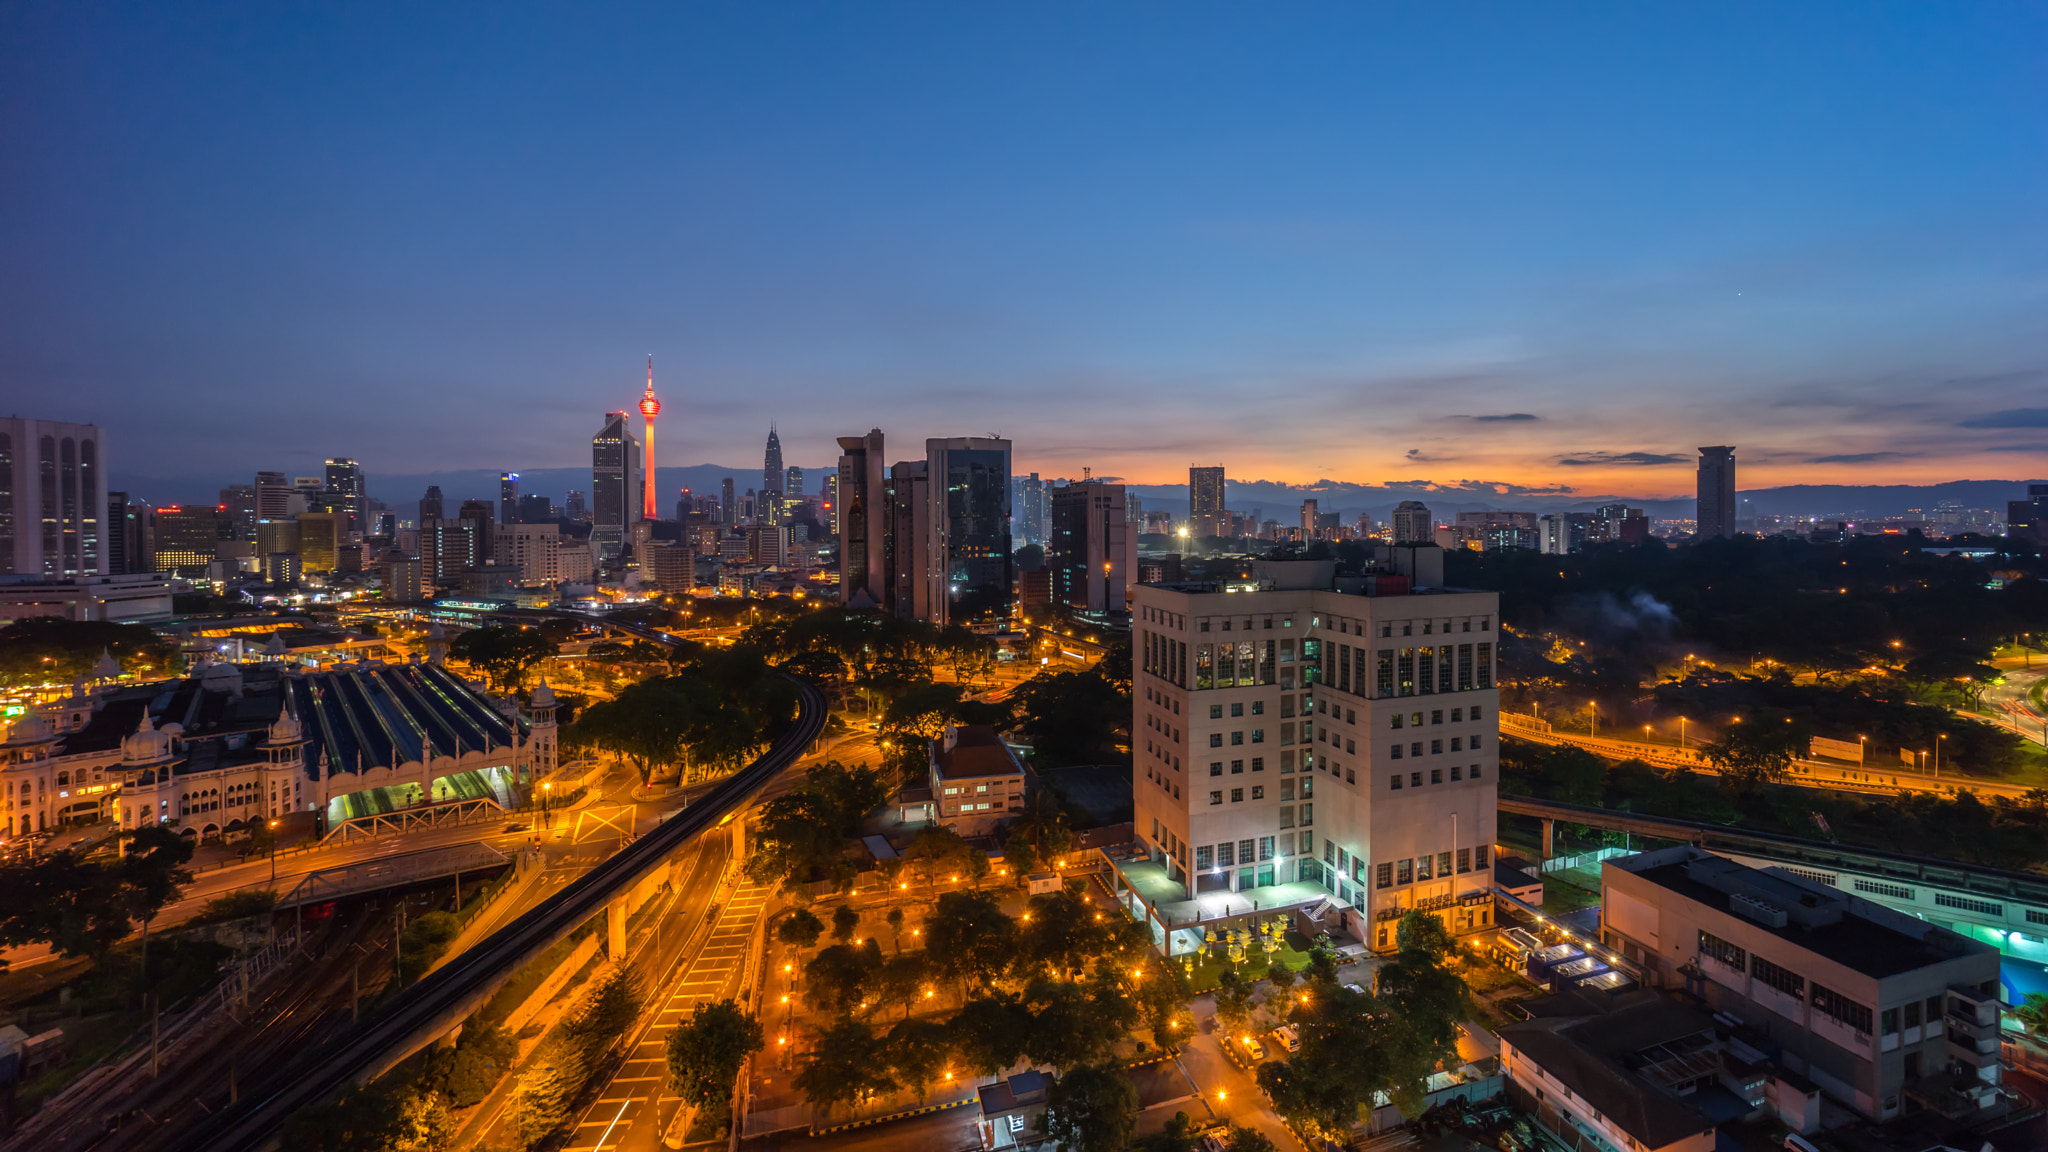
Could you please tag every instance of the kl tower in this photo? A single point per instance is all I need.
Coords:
(649, 409)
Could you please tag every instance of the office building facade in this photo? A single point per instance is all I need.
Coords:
(968, 565)
(614, 484)
(1206, 516)
(273, 496)
(1714, 515)
(1286, 732)
(508, 497)
(345, 486)
(863, 521)
(1034, 514)
(2028, 519)
(1092, 550)
(187, 538)
(53, 501)
(1412, 523)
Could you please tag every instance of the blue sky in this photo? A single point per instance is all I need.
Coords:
(1538, 245)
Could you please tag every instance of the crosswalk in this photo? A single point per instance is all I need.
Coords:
(630, 1107)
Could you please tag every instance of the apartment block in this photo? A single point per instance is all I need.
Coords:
(1874, 1006)
(1339, 736)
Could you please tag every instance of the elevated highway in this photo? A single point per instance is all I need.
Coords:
(433, 1007)
(1996, 905)
(1834, 775)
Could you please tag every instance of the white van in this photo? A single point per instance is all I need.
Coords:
(1794, 1142)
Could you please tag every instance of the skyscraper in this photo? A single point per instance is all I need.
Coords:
(1092, 551)
(1309, 521)
(2028, 519)
(968, 571)
(1714, 515)
(1412, 523)
(771, 466)
(728, 503)
(121, 550)
(508, 497)
(345, 480)
(832, 502)
(273, 496)
(53, 502)
(1205, 502)
(793, 485)
(649, 409)
(863, 571)
(907, 548)
(1034, 511)
(574, 508)
(239, 502)
(432, 507)
(614, 484)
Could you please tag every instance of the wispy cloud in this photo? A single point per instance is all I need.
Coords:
(2008, 418)
(1858, 457)
(1608, 459)
(2042, 449)
(1502, 417)
(1415, 456)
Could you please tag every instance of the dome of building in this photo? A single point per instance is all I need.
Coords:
(147, 745)
(543, 696)
(285, 729)
(31, 728)
(106, 667)
(224, 678)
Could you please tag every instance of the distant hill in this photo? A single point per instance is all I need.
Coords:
(1274, 500)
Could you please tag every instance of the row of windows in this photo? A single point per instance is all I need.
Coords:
(1981, 907)
(1840, 1008)
(1231, 853)
(1396, 873)
(1436, 776)
(1436, 716)
(1878, 888)
(1727, 953)
(1436, 747)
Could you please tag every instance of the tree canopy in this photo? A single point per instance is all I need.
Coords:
(504, 653)
(54, 650)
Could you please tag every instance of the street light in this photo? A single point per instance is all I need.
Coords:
(1937, 753)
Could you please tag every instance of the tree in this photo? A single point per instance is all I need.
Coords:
(918, 1051)
(1062, 931)
(1233, 1001)
(805, 830)
(706, 1051)
(2033, 1013)
(1424, 999)
(967, 937)
(1092, 1109)
(800, 929)
(844, 921)
(1075, 1023)
(988, 1032)
(934, 851)
(1073, 717)
(56, 650)
(503, 653)
(606, 1015)
(1247, 1140)
(84, 907)
(844, 976)
(848, 1065)
(895, 919)
(548, 1089)
(1753, 753)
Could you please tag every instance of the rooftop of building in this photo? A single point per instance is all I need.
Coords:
(1835, 926)
(1615, 1059)
(973, 752)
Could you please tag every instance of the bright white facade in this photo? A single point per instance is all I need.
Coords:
(1286, 731)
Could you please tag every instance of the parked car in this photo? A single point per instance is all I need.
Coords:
(1253, 1048)
(1290, 1037)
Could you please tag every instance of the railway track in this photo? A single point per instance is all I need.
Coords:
(443, 999)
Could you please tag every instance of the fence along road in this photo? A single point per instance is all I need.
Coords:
(447, 996)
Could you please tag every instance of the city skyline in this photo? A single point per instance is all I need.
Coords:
(835, 224)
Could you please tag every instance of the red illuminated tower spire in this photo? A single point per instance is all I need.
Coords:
(649, 409)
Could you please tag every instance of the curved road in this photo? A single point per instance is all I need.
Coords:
(443, 999)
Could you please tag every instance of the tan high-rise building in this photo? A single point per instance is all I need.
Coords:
(53, 499)
(1294, 743)
(320, 538)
